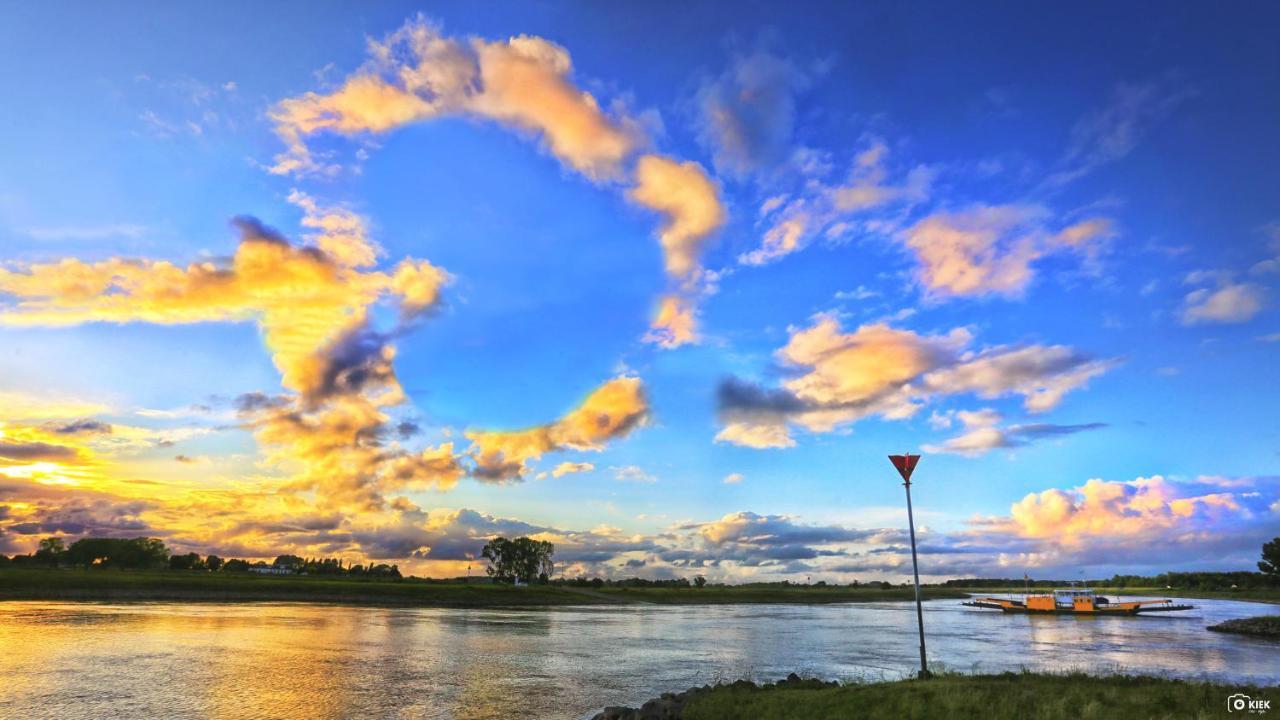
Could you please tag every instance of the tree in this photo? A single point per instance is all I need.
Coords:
(1270, 563)
(289, 561)
(699, 581)
(519, 559)
(139, 552)
(190, 561)
(51, 551)
(213, 562)
(235, 565)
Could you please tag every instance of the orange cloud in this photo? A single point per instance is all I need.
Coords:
(839, 378)
(1109, 509)
(610, 411)
(675, 324)
(416, 74)
(989, 250)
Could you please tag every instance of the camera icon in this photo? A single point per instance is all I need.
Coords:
(1238, 702)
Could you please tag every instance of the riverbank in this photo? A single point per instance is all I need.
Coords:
(1007, 696)
(184, 586)
(1267, 626)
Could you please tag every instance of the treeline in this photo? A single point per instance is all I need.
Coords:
(699, 581)
(1242, 580)
(151, 554)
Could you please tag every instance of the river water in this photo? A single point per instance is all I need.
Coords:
(74, 661)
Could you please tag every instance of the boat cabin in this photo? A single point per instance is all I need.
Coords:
(1072, 599)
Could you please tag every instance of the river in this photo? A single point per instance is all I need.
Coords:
(74, 661)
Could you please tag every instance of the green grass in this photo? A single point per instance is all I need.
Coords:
(1268, 595)
(1266, 626)
(735, 594)
(178, 585)
(1010, 696)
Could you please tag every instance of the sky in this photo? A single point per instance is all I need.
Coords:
(662, 284)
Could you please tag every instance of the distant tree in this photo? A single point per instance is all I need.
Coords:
(4, 560)
(1270, 563)
(522, 558)
(235, 565)
(139, 552)
(291, 561)
(213, 562)
(699, 581)
(190, 561)
(51, 550)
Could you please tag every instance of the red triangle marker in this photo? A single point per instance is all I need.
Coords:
(906, 464)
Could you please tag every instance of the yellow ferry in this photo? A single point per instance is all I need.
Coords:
(1074, 601)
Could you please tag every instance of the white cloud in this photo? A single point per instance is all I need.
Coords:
(1229, 303)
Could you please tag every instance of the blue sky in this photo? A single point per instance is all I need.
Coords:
(682, 245)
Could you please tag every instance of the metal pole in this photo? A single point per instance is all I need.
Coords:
(915, 571)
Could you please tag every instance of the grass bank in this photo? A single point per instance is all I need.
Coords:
(1008, 696)
(1267, 626)
(178, 585)
(741, 594)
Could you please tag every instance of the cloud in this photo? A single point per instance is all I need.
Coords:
(340, 233)
(1230, 302)
(633, 473)
(837, 378)
(676, 323)
(1111, 132)
(989, 250)
(732, 479)
(832, 209)
(747, 114)
(313, 303)
(103, 231)
(611, 411)
(982, 434)
(760, 434)
(1110, 509)
(416, 73)
(83, 426)
(567, 468)
(35, 451)
(682, 192)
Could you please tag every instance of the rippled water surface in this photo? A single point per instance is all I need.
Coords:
(161, 660)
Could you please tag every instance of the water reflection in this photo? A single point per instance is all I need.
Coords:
(74, 661)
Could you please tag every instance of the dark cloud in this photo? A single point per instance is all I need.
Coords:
(355, 361)
(254, 230)
(36, 451)
(79, 427)
(253, 402)
(1041, 430)
(747, 114)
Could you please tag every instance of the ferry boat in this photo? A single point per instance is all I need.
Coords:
(1075, 601)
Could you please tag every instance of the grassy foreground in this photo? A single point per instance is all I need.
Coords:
(1267, 626)
(1009, 696)
(127, 585)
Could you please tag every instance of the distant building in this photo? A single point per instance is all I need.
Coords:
(271, 570)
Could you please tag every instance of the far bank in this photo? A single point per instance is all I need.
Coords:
(106, 585)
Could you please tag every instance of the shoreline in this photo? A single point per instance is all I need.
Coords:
(1003, 696)
(1265, 626)
(177, 586)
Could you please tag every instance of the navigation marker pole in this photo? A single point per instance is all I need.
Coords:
(905, 465)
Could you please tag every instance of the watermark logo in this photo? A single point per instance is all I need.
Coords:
(1245, 704)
